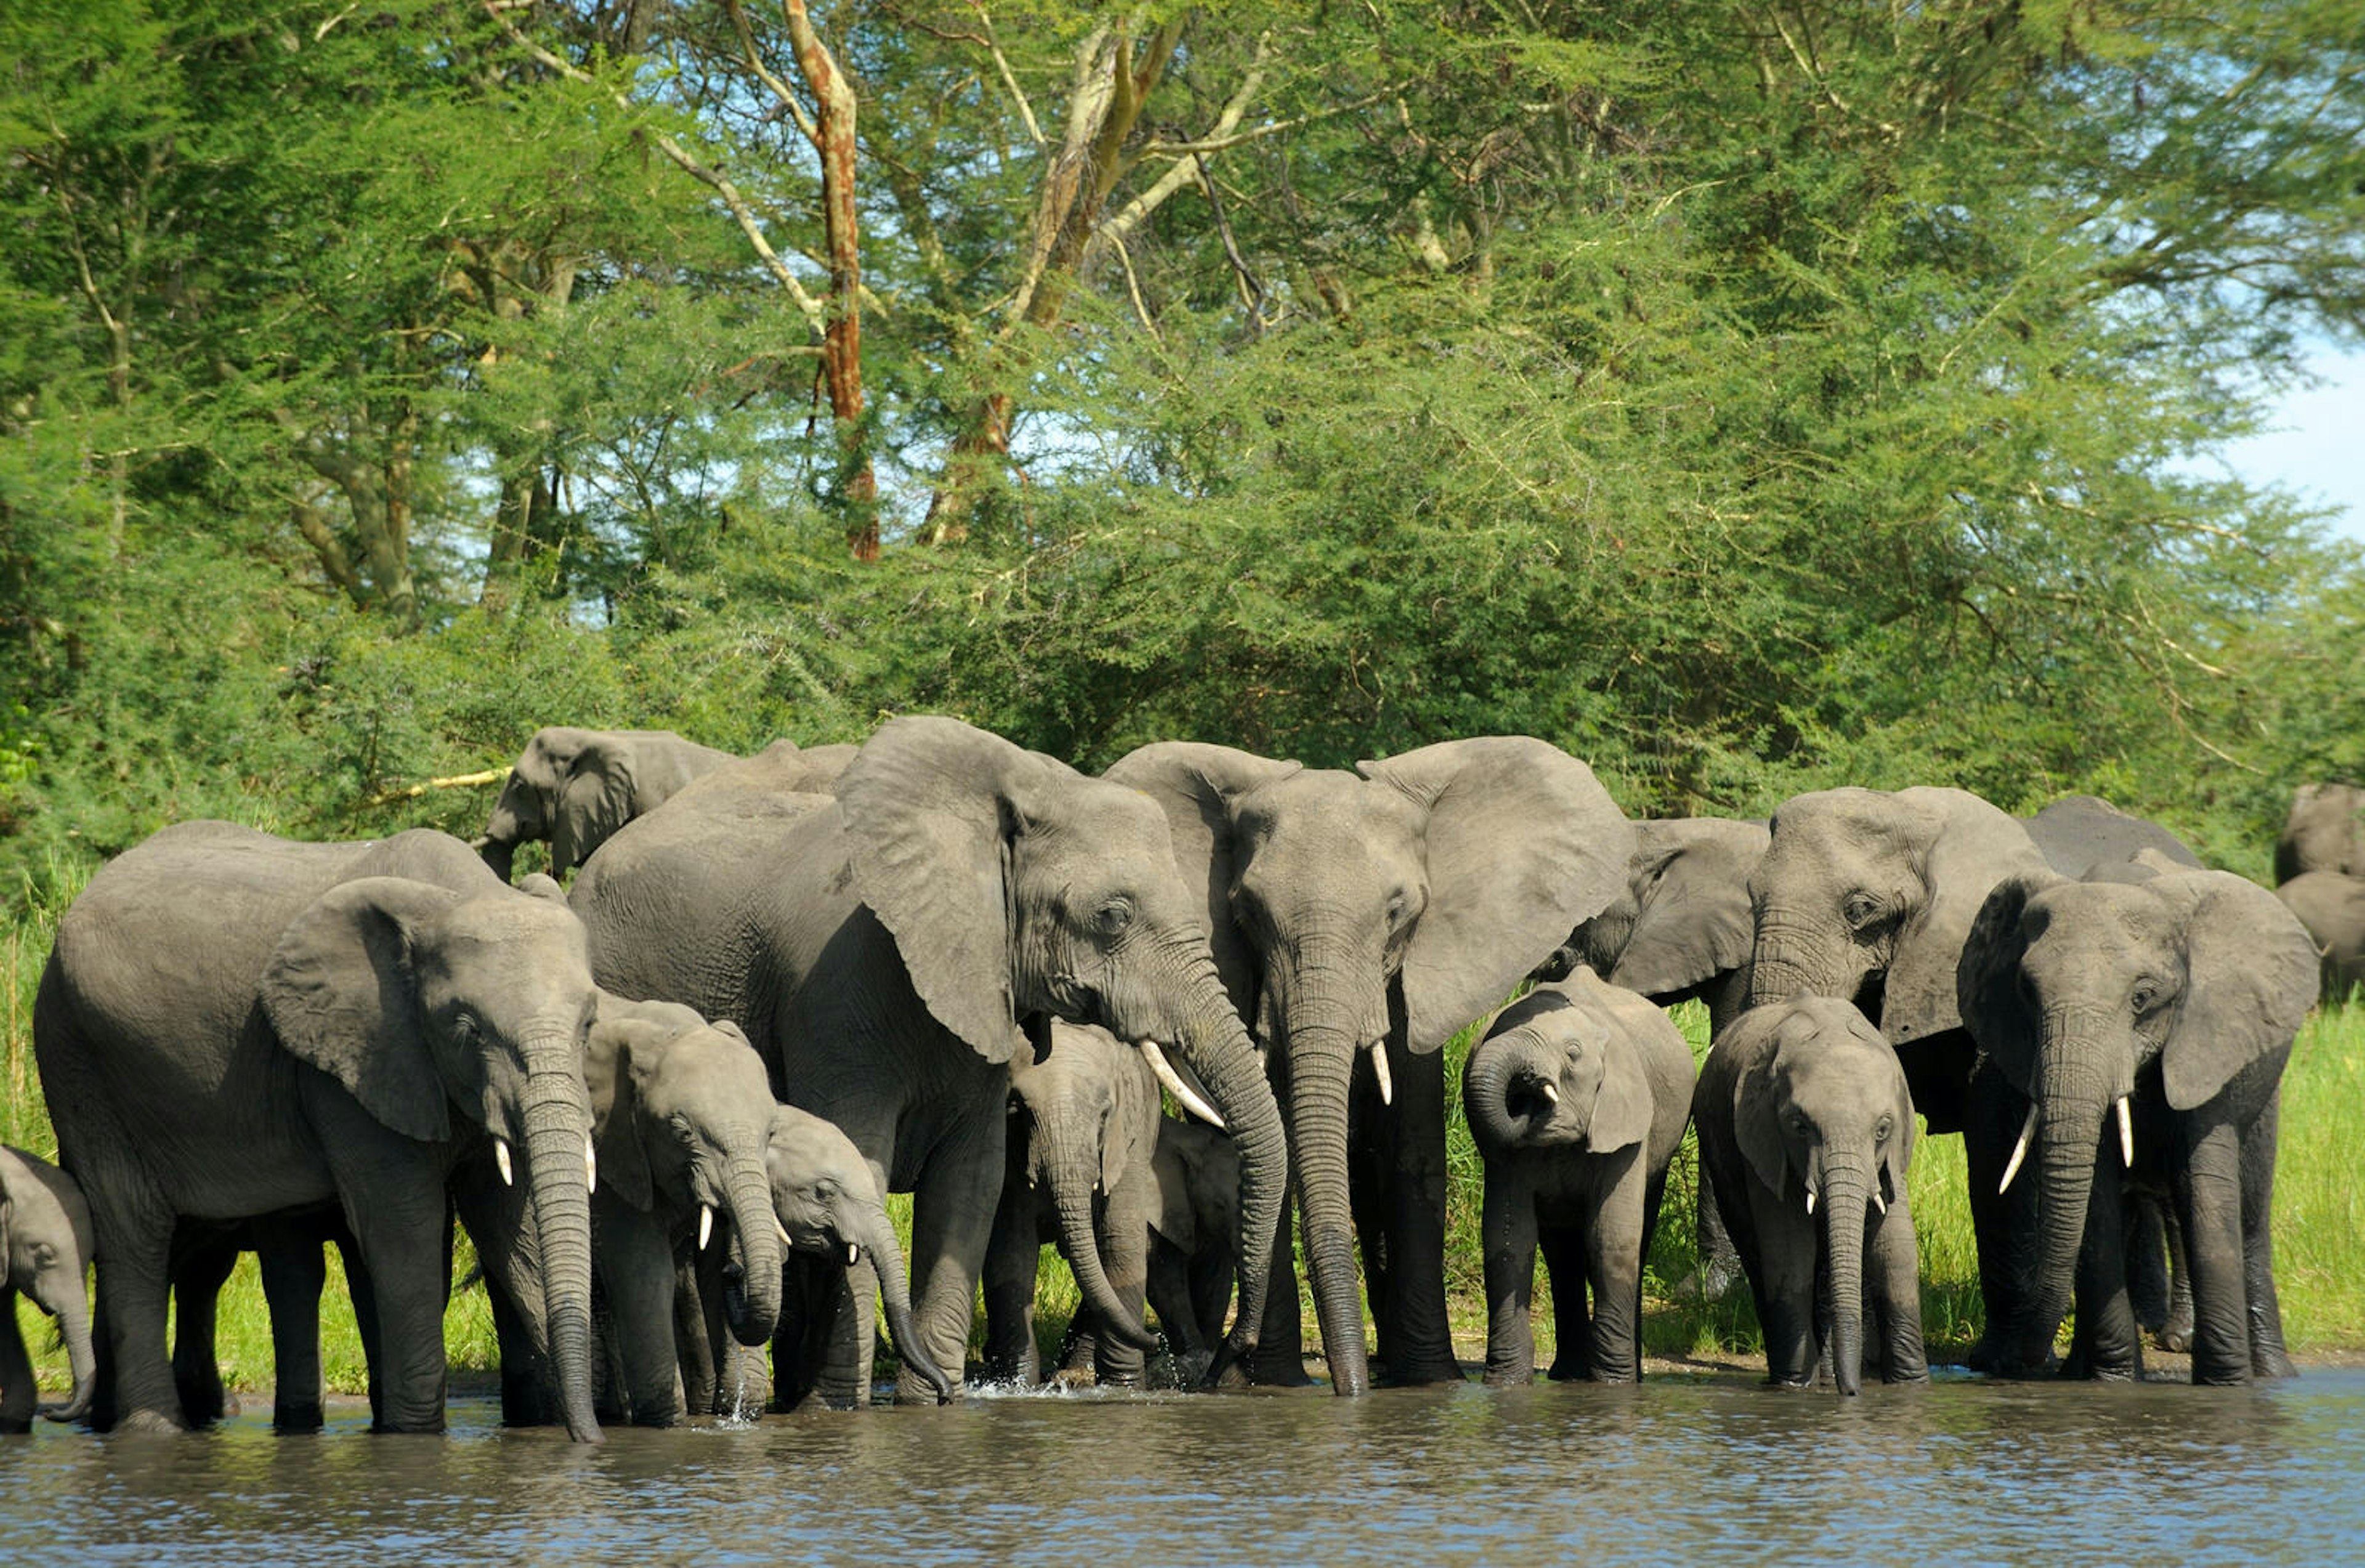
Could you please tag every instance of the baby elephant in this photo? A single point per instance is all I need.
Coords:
(1577, 1098)
(1195, 1239)
(45, 1250)
(1806, 1130)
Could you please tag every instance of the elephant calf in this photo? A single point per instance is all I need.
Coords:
(1806, 1129)
(1195, 1239)
(45, 1251)
(1577, 1098)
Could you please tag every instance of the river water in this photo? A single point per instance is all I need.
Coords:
(1679, 1470)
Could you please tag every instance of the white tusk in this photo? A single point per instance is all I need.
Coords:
(2126, 1133)
(1175, 1085)
(2019, 1150)
(1552, 1095)
(706, 1225)
(591, 1165)
(1380, 1067)
(786, 1240)
(1811, 1200)
(1879, 1204)
(853, 1254)
(501, 1159)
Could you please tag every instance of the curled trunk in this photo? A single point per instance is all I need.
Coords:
(755, 1308)
(557, 1120)
(866, 1226)
(1488, 1100)
(73, 1323)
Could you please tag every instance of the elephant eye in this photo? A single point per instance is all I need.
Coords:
(45, 1256)
(1881, 1131)
(2144, 994)
(1860, 909)
(1396, 905)
(1112, 917)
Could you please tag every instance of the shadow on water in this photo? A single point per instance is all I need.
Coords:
(1676, 1469)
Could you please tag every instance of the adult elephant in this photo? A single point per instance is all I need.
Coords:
(782, 768)
(1369, 915)
(888, 950)
(577, 787)
(2147, 1022)
(1679, 932)
(1084, 1128)
(45, 1251)
(2332, 906)
(2078, 833)
(233, 1024)
(2324, 831)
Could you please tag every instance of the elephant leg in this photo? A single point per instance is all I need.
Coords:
(2147, 1270)
(816, 1302)
(362, 1291)
(1719, 1263)
(2268, 1357)
(1613, 1258)
(295, 1272)
(1211, 1270)
(495, 1219)
(2209, 1206)
(203, 1257)
(1564, 1258)
(1013, 1260)
(1124, 1256)
(401, 1225)
(2105, 1342)
(1786, 1287)
(1168, 1290)
(636, 1274)
(1893, 1278)
(20, 1396)
(1509, 1231)
(133, 1228)
(2175, 1333)
(1280, 1356)
(693, 1351)
(2003, 1224)
(952, 1219)
(1417, 1340)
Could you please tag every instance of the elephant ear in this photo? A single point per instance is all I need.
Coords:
(1756, 1106)
(1622, 1112)
(1987, 978)
(609, 1051)
(1524, 844)
(1897, 1158)
(339, 993)
(1693, 920)
(930, 807)
(1960, 847)
(1194, 784)
(1132, 1135)
(2250, 976)
(540, 885)
(594, 803)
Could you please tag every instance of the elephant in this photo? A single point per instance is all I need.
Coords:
(681, 1116)
(890, 949)
(1807, 1128)
(289, 1246)
(2332, 906)
(576, 788)
(46, 1247)
(2324, 832)
(782, 768)
(1680, 932)
(2077, 833)
(1359, 919)
(233, 1025)
(1194, 1237)
(2144, 1023)
(1084, 1132)
(1576, 1099)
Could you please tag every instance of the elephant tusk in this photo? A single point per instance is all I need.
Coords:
(706, 1225)
(1191, 1101)
(2019, 1150)
(1811, 1200)
(785, 1239)
(1380, 1068)
(501, 1159)
(591, 1165)
(853, 1254)
(2126, 1133)
(1879, 1204)
(1552, 1095)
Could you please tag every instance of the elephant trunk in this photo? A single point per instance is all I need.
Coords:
(1788, 959)
(72, 1314)
(499, 853)
(1216, 1047)
(864, 1222)
(1073, 1169)
(755, 1308)
(2068, 1125)
(1495, 1068)
(557, 1121)
(1847, 1186)
(1321, 1064)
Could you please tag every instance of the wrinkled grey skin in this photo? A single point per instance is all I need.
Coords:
(2179, 994)
(1803, 1099)
(1681, 931)
(1577, 1100)
(2332, 907)
(1083, 1129)
(365, 1019)
(2324, 832)
(885, 949)
(1387, 907)
(782, 768)
(680, 1113)
(577, 787)
(46, 1246)
(1194, 1237)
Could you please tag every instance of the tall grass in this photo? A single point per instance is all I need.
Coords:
(2319, 1242)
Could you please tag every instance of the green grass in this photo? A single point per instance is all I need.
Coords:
(2319, 1242)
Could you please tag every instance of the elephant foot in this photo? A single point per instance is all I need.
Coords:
(911, 1389)
(1564, 1370)
(2272, 1364)
(158, 1423)
(15, 1425)
(301, 1416)
(1508, 1377)
(1425, 1372)
(1273, 1371)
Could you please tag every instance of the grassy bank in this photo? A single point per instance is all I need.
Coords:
(2319, 1242)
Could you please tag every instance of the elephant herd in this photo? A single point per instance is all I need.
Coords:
(2320, 875)
(666, 1104)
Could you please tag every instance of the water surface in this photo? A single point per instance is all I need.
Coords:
(1713, 1469)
